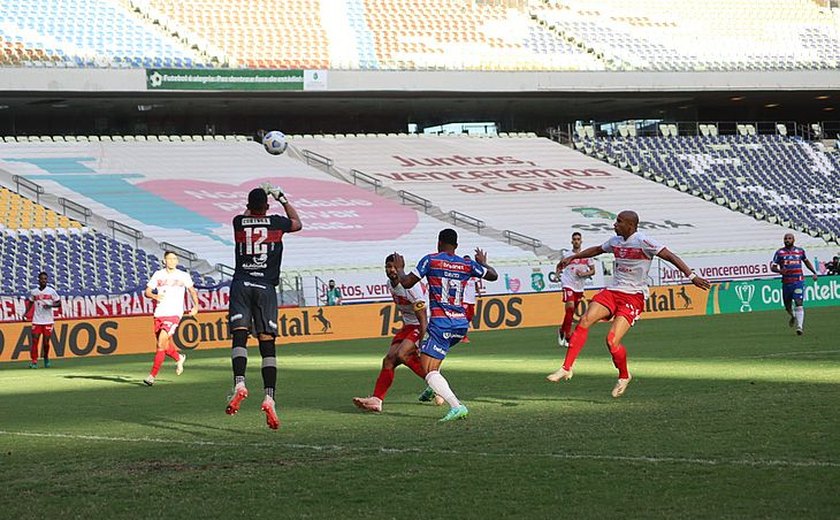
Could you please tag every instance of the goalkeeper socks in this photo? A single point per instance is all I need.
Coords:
(576, 343)
(383, 383)
(269, 365)
(46, 348)
(799, 314)
(239, 356)
(441, 387)
(160, 355)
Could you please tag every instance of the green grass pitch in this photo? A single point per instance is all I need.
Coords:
(728, 416)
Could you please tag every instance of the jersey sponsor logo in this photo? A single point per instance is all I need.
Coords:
(630, 253)
(249, 284)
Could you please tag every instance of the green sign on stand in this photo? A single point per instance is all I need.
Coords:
(224, 79)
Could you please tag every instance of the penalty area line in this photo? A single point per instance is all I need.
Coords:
(769, 463)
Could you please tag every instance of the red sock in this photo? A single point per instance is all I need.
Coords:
(383, 382)
(576, 343)
(160, 355)
(46, 347)
(619, 356)
(33, 350)
(413, 362)
(173, 353)
(567, 322)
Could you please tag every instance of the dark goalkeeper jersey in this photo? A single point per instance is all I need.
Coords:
(259, 247)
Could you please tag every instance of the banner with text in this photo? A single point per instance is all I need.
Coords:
(231, 79)
(133, 335)
(763, 295)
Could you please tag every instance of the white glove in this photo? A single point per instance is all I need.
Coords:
(275, 191)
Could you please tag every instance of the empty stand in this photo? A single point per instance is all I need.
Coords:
(544, 190)
(785, 177)
(699, 34)
(187, 193)
(86, 33)
(17, 212)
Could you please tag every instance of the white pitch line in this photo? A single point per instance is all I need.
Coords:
(789, 354)
(402, 451)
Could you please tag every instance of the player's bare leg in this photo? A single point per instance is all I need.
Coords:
(619, 328)
(595, 313)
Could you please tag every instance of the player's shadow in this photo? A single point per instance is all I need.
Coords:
(111, 379)
(505, 401)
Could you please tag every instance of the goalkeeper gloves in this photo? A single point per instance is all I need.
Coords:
(275, 191)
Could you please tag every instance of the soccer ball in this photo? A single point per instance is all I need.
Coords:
(275, 142)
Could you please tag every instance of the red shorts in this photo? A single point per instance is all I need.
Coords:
(630, 306)
(570, 295)
(43, 330)
(469, 311)
(166, 324)
(409, 332)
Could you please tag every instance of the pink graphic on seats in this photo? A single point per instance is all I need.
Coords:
(327, 209)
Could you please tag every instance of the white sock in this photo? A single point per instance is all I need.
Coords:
(799, 314)
(438, 383)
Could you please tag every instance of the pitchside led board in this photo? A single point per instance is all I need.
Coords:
(132, 335)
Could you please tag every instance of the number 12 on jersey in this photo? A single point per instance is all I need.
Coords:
(255, 238)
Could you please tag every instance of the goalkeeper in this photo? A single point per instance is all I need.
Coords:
(258, 239)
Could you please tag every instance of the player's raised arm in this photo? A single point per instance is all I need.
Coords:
(589, 252)
(668, 256)
(481, 258)
(291, 212)
(406, 280)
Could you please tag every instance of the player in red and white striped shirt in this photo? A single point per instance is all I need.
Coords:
(624, 299)
(403, 350)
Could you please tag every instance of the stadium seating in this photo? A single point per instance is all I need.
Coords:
(187, 193)
(288, 36)
(793, 181)
(86, 33)
(78, 260)
(17, 212)
(434, 34)
(538, 188)
(699, 34)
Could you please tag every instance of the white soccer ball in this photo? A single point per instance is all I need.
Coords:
(275, 142)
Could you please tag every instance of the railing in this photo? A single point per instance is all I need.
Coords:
(513, 236)
(225, 271)
(311, 156)
(457, 216)
(364, 177)
(180, 251)
(68, 206)
(118, 227)
(407, 196)
(36, 189)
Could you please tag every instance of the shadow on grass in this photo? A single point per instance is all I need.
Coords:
(110, 379)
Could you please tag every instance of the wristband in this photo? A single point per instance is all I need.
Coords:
(692, 276)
